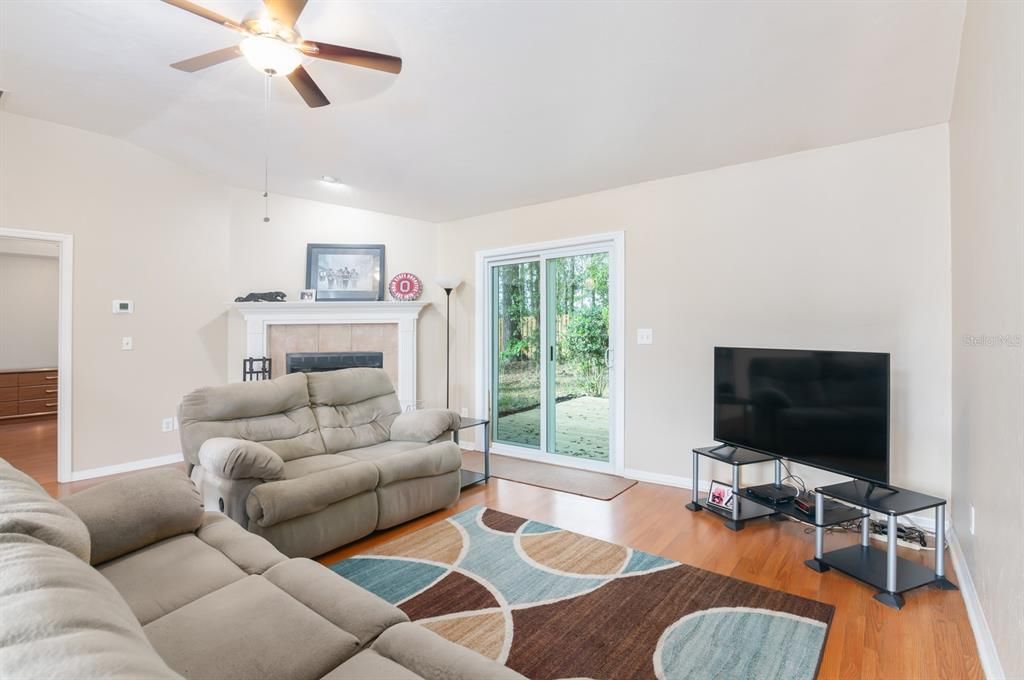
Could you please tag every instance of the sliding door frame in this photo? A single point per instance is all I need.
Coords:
(614, 244)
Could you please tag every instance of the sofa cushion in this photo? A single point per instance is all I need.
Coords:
(249, 552)
(396, 462)
(369, 664)
(337, 599)
(250, 630)
(169, 574)
(275, 502)
(301, 467)
(61, 619)
(354, 407)
(232, 458)
(430, 656)
(275, 413)
(27, 509)
(129, 513)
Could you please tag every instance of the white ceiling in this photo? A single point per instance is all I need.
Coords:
(500, 104)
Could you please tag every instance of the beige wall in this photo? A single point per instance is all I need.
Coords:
(845, 247)
(28, 309)
(272, 256)
(145, 230)
(987, 170)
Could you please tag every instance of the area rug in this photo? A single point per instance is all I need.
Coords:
(550, 603)
(558, 477)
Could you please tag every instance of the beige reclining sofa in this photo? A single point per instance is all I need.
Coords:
(312, 461)
(175, 592)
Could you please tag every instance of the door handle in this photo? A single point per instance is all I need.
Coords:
(608, 357)
(49, 391)
(49, 377)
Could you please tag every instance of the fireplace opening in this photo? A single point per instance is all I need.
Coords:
(312, 362)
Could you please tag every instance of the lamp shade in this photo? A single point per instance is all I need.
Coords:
(449, 282)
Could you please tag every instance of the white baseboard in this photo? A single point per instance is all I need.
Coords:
(975, 614)
(92, 473)
(663, 479)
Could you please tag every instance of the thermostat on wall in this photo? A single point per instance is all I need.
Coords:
(123, 306)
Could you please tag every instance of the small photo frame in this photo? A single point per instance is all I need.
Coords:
(307, 294)
(720, 495)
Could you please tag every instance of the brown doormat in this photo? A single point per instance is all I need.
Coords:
(571, 480)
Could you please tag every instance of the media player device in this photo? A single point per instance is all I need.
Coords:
(773, 493)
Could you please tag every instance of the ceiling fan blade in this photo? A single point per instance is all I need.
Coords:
(307, 88)
(285, 12)
(204, 13)
(350, 55)
(209, 59)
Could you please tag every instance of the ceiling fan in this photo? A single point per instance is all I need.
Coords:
(274, 46)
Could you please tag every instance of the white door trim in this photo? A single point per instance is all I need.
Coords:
(65, 260)
(615, 241)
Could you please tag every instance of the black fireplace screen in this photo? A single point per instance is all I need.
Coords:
(310, 362)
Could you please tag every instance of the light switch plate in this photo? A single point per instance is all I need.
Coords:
(126, 342)
(645, 336)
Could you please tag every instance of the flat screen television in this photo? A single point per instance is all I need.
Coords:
(821, 408)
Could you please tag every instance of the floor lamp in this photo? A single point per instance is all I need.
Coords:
(449, 283)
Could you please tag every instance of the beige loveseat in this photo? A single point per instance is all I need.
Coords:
(314, 461)
(175, 591)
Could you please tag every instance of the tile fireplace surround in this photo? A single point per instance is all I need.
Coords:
(275, 328)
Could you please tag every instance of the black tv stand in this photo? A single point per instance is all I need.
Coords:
(848, 502)
(888, 572)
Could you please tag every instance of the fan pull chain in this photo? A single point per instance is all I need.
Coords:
(266, 149)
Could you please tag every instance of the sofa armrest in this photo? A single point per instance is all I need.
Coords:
(131, 512)
(231, 458)
(424, 425)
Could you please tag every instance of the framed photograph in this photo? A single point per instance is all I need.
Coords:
(345, 272)
(721, 495)
(307, 294)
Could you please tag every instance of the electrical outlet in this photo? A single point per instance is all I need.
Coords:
(972, 520)
(126, 343)
(167, 425)
(645, 336)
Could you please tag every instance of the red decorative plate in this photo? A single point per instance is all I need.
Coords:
(405, 287)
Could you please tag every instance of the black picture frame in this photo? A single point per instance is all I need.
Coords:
(344, 272)
(730, 497)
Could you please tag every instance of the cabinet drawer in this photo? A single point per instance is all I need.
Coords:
(8, 408)
(8, 394)
(37, 378)
(8, 379)
(38, 392)
(37, 406)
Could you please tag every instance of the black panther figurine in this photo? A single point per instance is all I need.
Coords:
(273, 296)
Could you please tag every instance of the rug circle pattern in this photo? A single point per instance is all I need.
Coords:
(551, 603)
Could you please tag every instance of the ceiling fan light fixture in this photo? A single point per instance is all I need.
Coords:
(270, 55)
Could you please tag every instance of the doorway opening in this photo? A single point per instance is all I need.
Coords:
(35, 353)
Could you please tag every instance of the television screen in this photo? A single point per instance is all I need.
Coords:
(821, 408)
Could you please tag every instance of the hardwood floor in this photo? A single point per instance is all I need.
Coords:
(30, 444)
(930, 638)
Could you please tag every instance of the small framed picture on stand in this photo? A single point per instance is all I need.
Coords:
(720, 495)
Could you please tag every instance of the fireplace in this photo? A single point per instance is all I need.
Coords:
(312, 362)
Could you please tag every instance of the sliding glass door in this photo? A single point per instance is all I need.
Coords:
(550, 327)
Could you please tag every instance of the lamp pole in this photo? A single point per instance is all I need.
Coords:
(447, 345)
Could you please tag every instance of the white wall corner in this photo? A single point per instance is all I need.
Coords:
(92, 473)
(987, 652)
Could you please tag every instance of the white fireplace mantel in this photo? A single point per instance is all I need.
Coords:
(259, 316)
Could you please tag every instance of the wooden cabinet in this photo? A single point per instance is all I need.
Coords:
(28, 393)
